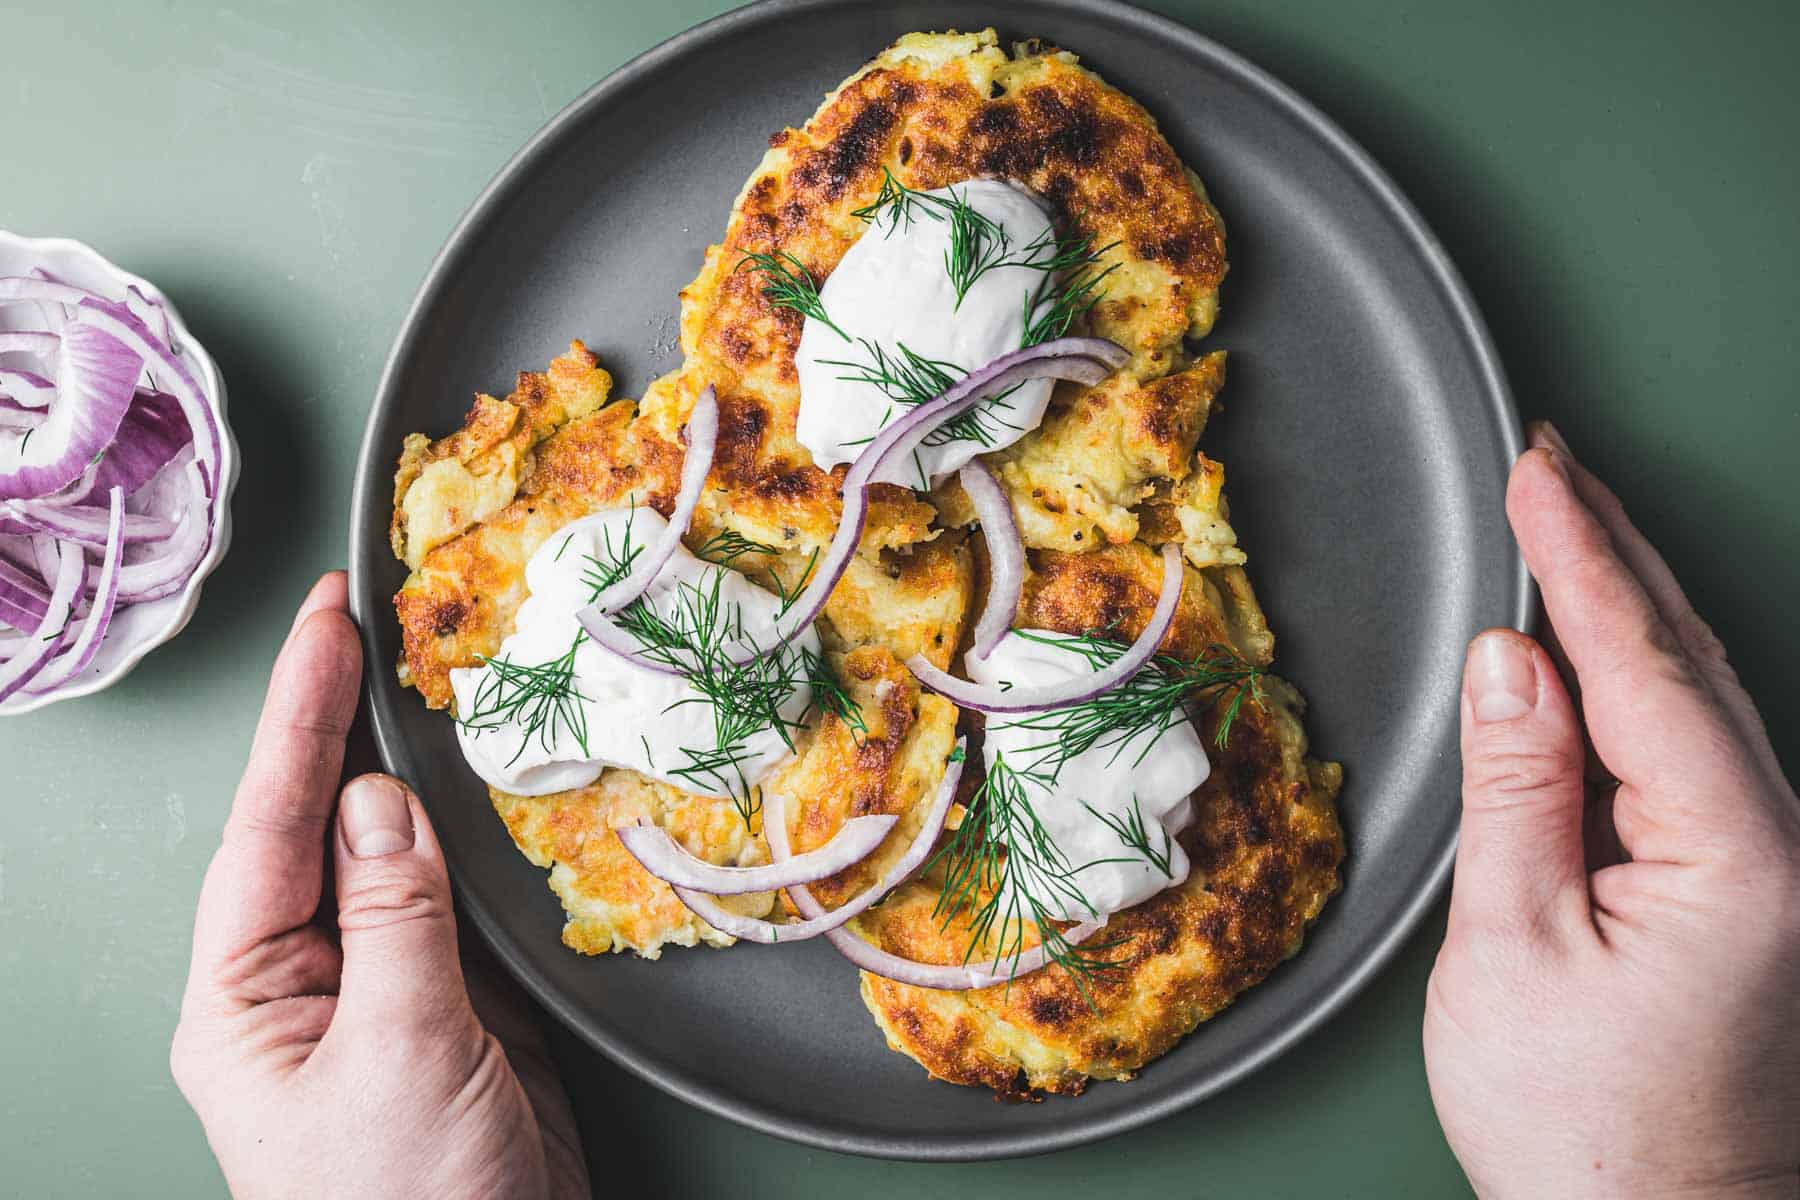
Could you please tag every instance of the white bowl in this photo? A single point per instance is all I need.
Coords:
(136, 629)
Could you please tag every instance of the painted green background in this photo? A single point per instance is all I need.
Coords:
(1618, 183)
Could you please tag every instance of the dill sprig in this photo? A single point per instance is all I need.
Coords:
(979, 244)
(613, 563)
(1074, 299)
(728, 545)
(541, 698)
(896, 201)
(1144, 707)
(1134, 835)
(997, 866)
(697, 633)
(788, 284)
(790, 593)
(910, 378)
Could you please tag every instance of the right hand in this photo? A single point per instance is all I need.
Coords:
(1616, 1014)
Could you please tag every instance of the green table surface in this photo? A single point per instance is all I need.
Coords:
(1617, 183)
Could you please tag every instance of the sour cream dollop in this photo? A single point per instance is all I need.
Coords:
(891, 290)
(1112, 780)
(617, 714)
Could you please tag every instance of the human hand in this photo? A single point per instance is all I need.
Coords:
(341, 1057)
(1615, 1014)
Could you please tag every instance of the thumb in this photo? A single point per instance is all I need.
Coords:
(1520, 860)
(394, 915)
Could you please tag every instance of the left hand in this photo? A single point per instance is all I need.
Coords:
(342, 1057)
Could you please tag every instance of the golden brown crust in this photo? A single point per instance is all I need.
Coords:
(1265, 848)
(1112, 471)
(892, 766)
(936, 109)
(442, 488)
(612, 903)
(458, 604)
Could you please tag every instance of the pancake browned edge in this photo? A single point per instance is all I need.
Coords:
(1112, 469)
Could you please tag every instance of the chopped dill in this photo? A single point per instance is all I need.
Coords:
(1145, 706)
(979, 244)
(908, 377)
(728, 545)
(997, 865)
(541, 698)
(1075, 297)
(1135, 836)
(697, 632)
(614, 562)
(788, 284)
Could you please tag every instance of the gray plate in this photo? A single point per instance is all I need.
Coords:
(1367, 436)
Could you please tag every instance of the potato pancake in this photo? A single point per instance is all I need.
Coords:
(1265, 849)
(1111, 471)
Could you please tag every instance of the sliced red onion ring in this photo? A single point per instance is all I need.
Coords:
(819, 920)
(165, 572)
(23, 599)
(659, 854)
(1085, 360)
(27, 389)
(20, 418)
(82, 523)
(96, 377)
(964, 694)
(1006, 556)
(42, 287)
(892, 966)
(946, 978)
(151, 312)
(876, 961)
(29, 341)
(47, 636)
(93, 630)
(172, 375)
(702, 439)
(617, 642)
(46, 555)
(153, 433)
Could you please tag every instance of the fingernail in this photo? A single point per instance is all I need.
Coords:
(1502, 682)
(375, 817)
(1543, 433)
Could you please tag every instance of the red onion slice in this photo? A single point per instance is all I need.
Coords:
(659, 854)
(905, 970)
(41, 288)
(965, 694)
(1085, 360)
(702, 439)
(23, 599)
(173, 376)
(93, 629)
(819, 919)
(151, 312)
(47, 636)
(20, 418)
(945, 978)
(154, 432)
(165, 573)
(1006, 556)
(617, 642)
(26, 389)
(82, 523)
(96, 377)
(29, 341)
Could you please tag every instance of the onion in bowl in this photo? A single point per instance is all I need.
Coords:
(102, 390)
